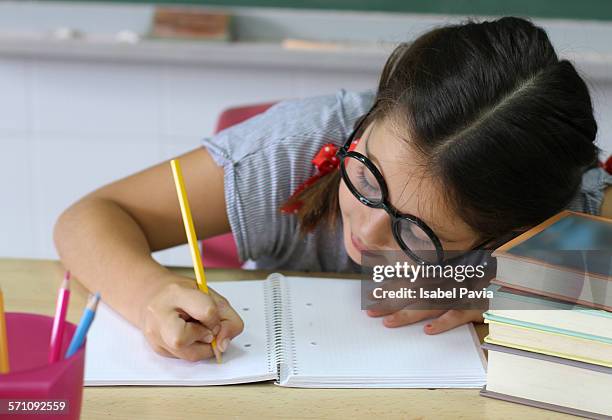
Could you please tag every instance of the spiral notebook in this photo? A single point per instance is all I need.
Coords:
(299, 332)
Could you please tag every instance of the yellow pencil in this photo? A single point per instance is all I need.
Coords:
(191, 237)
(4, 358)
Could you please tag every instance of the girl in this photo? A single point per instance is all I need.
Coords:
(475, 132)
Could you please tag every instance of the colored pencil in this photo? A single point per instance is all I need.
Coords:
(198, 267)
(4, 356)
(86, 319)
(59, 321)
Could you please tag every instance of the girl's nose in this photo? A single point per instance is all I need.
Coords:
(375, 230)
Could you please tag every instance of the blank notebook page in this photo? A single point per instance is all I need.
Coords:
(336, 344)
(118, 353)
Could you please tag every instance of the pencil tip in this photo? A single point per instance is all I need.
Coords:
(66, 281)
(216, 352)
(93, 301)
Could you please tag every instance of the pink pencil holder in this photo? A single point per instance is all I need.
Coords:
(32, 378)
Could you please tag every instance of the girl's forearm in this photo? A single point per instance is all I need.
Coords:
(103, 246)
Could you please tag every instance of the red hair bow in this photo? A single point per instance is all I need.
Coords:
(325, 161)
(607, 165)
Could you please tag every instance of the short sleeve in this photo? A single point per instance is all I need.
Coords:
(265, 158)
(590, 197)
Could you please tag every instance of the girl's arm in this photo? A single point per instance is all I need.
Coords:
(107, 237)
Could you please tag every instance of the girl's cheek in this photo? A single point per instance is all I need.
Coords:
(342, 190)
(347, 202)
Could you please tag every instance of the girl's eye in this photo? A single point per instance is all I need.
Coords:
(364, 184)
(413, 238)
(419, 234)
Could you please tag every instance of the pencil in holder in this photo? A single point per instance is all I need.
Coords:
(33, 388)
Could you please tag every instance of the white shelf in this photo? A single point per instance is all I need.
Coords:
(185, 52)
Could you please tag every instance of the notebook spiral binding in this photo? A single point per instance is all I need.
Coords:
(279, 327)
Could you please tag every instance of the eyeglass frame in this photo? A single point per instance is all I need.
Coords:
(384, 203)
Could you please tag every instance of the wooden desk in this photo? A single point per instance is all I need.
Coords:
(31, 286)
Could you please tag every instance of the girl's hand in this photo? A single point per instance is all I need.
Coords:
(181, 321)
(443, 320)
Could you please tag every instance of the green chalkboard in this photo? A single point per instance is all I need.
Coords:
(568, 9)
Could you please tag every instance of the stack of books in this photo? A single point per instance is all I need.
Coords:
(550, 321)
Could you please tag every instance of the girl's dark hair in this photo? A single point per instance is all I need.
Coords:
(497, 119)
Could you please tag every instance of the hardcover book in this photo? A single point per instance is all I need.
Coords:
(567, 257)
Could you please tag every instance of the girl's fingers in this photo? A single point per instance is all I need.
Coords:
(194, 352)
(451, 319)
(185, 340)
(379, 312)
(231, 323)
(409, 316)
(197, 305)
(162, 351)
(177, 333)
(197, 332)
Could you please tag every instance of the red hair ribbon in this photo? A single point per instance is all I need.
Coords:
(325, 161)
(607, 165)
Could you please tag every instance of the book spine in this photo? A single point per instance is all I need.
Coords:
(279, 327)
(547, 358)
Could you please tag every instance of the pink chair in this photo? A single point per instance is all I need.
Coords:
(220, 251)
